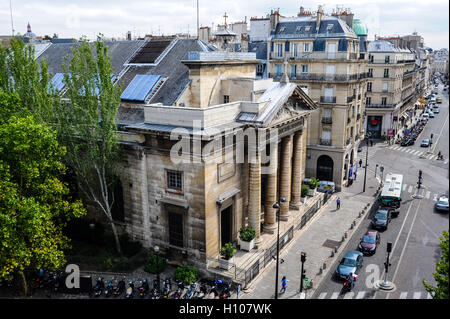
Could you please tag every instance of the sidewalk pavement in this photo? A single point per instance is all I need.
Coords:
(326, 228)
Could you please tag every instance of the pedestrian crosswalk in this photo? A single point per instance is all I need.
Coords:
(427, 194)
(368, 295)
(411, 151)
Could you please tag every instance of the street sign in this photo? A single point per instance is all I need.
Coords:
(238, 290)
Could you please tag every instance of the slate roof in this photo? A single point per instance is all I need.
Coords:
(385, 46)
(119, 51)
(260, 47)
(169, 67)
(294, 28)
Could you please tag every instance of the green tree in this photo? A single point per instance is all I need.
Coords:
(87, 126)
(34, 203)
(21, 73)
(442, 272)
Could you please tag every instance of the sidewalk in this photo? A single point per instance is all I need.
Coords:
(325, 231)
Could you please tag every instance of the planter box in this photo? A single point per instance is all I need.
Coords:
(247, 245)
(312, 192)
(226, 264)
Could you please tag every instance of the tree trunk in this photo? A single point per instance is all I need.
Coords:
(116, 237)
(25, 285)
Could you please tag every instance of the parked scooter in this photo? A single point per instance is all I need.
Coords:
(167, 288)
(202, 292)
(180, 289)
(109, 289)
(130, 290)
(155, 293)
(119, 288)
(144, 288)
(225, 293)
(213, 292)
(191, 290)
(99, 286)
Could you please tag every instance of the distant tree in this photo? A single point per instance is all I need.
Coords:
(87, 126)
(442, 272)
(34, 203)
(21, 73)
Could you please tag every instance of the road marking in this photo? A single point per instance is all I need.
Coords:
(404, 187)
(435, 197)
(440, 133)
(427, 196)
(349, 295)
(416, 295)
(420, 154)
(322, 295)
(360, 295)
(403, 295)
(335, 295)
(406, 244)
(410, 189)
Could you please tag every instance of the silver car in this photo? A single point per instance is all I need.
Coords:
(442, 204)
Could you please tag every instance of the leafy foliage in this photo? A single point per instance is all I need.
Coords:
(87, 126)
(33, 202)
(305, 190)
(314, 183)
(187, 274)
(442, 272)
(247, 233)
(154, 264)
(228, 251)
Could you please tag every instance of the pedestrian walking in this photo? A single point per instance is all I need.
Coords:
(283, 284)
(371, 143)
(360, 162)
(338, 202)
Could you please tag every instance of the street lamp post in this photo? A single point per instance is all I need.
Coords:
(277, 207)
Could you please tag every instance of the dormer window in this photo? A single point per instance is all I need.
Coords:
(282, 29)
(298, 29)
(329, 27)
(308, 28)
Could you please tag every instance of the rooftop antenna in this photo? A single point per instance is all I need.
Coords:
(12, 24)
(198, 26)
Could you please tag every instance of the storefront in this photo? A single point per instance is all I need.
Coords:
(374, 126)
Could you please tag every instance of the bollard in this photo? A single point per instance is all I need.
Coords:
(343, 238)
(324, 266)
(320, 271)
(335, 249)
(332, 253)
(345, 234)
(351, 226)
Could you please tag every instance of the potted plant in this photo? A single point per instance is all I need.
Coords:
(305, 192)
(227, 252)
(247, 235)
(313, 184)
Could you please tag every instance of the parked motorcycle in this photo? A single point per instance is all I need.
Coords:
(202, 292)
(167, 288)
(144, 288)
(109, 289)
(120, 287)
(191, 291)
(155, 293)
(130, 290)
(99, 286)
(226, 291)
(180, 289)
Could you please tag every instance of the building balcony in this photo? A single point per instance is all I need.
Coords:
(314, 56)
(353, 56)
(380, 106)
(318, 77)
(350, 99)
(327, 120)
(325, 141)
(328, 99)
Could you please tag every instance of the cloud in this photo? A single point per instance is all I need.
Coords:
(114, 18)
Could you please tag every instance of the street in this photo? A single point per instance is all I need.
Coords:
(414, 234)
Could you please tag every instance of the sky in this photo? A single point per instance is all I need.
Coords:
(113, 18)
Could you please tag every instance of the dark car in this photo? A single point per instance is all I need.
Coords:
(407, 141)
(369, 242)
(382, 219)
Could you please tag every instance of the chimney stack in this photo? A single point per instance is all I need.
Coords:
(274, 19)
(319, 17)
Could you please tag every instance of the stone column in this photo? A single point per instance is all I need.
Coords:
(270, 217)
(286, 176)
(296, 171)
(254, 198)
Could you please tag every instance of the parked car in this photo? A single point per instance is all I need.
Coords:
(382, 219)
(326, 186)
(425, 143)
(438, 100)
(431, 114)
(369, 242)
(442, 204)
(351, 263)
(436, 110)
(425, 115)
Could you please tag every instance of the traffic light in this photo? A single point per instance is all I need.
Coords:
(389, 247)
(420, 173)
(303, 257)
(303, 274)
